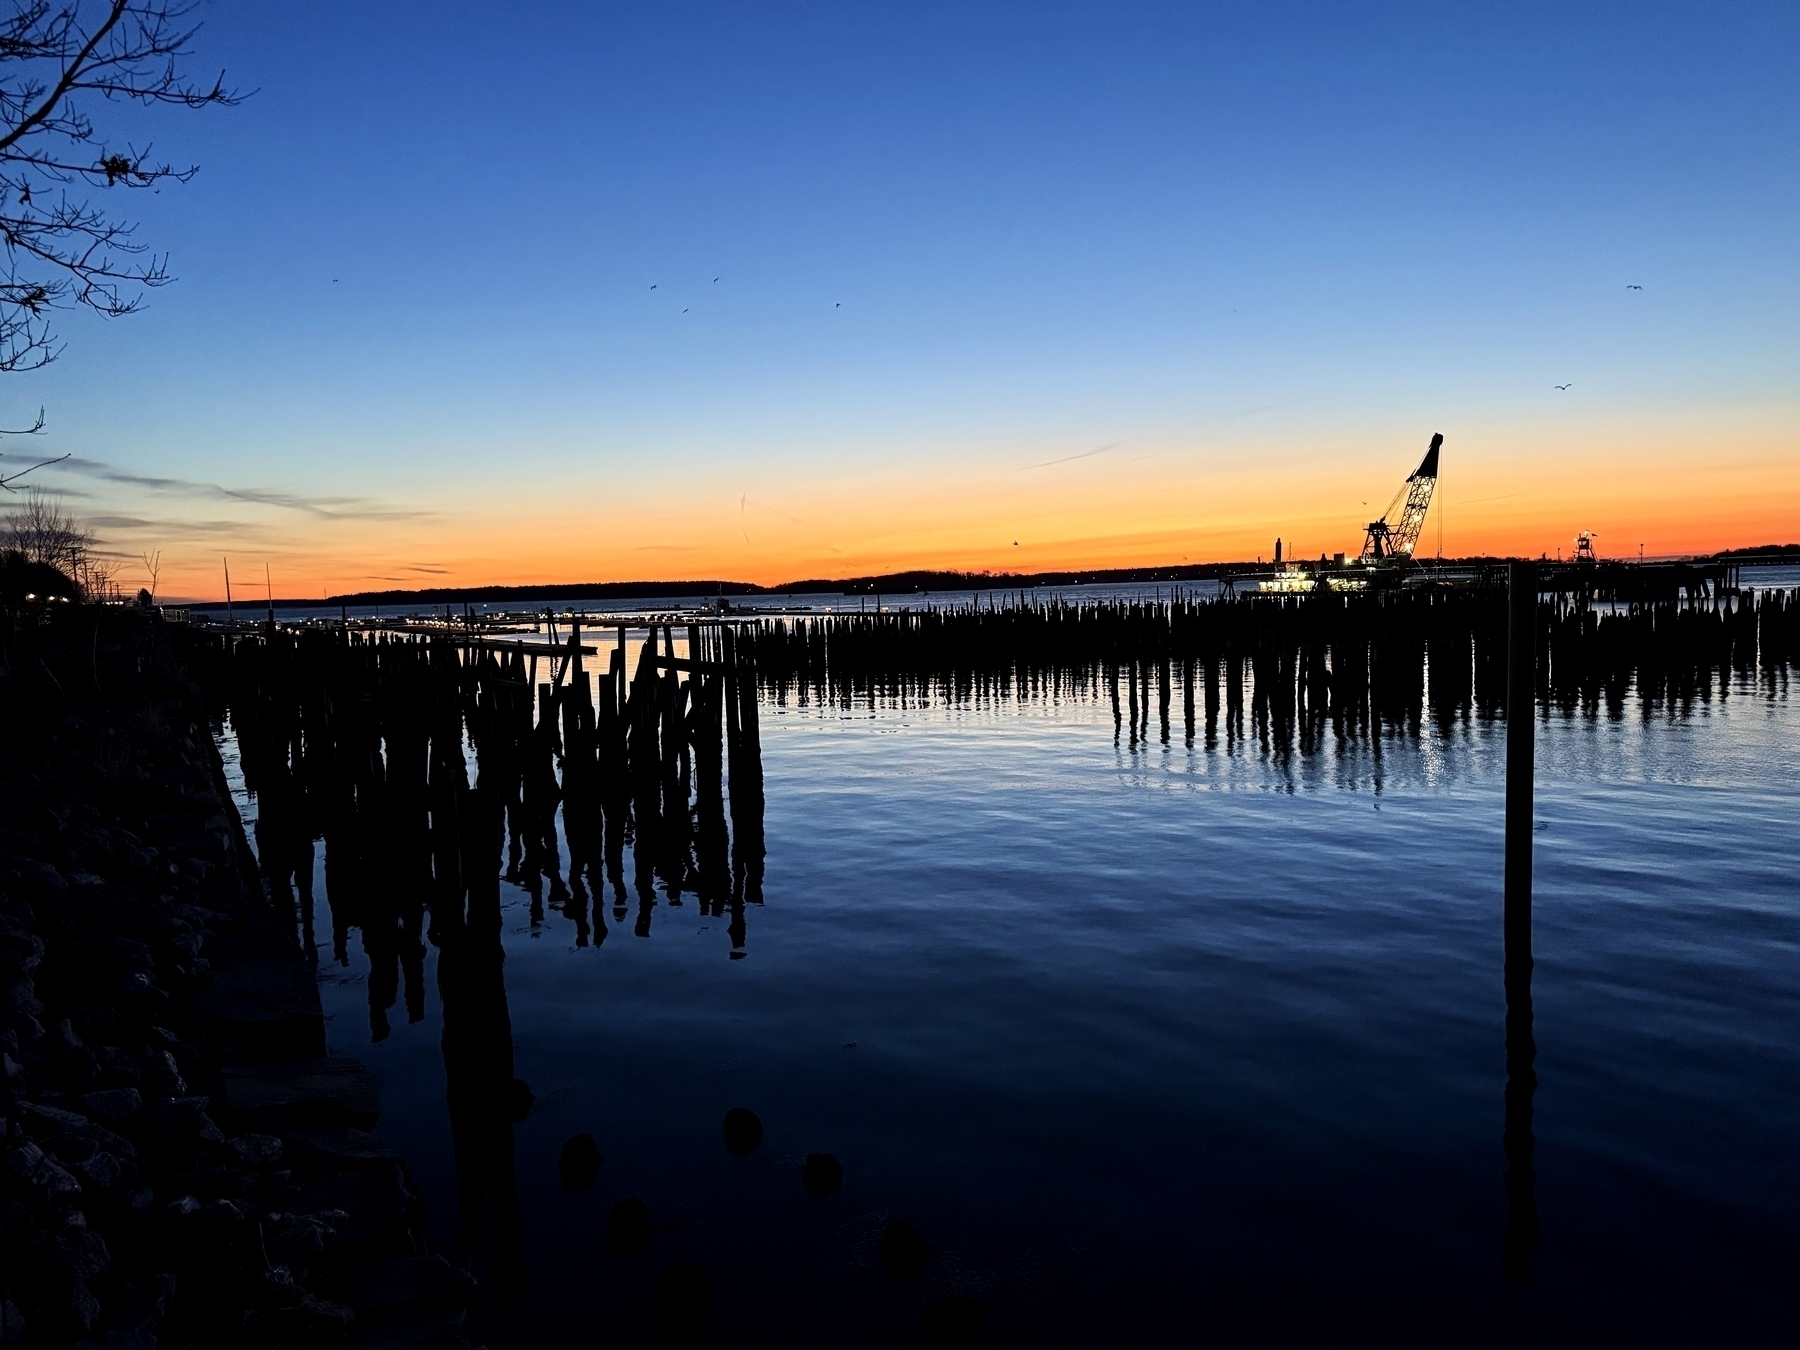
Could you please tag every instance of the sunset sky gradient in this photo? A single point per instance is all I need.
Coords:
(1126, 284)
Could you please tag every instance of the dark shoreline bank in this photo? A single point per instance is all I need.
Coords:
(915, 582)
(180, 1162)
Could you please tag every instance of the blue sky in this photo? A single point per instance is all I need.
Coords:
(1266, 247)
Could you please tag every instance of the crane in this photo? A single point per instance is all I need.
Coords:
(1396, 541)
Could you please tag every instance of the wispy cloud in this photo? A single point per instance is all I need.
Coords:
(170, 528)
(1070, 459)
(1256, 411)
(324, 507)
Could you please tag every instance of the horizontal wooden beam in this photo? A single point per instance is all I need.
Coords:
(529, 648)
(688, 663)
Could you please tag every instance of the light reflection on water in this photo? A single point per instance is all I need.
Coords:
(1153, 1041)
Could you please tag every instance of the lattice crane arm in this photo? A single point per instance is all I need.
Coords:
(1398, 540)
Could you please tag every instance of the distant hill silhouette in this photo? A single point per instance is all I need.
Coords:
(1782, 552)
(890, 583)
(19, 578)
(918, 582)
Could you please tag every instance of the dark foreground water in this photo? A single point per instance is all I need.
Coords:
(1162, 1045)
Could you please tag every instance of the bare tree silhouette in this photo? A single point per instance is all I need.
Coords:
(63, 252)
(39, 530)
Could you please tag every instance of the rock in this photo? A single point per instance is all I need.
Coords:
(134, 984)
(376, 1201)
(76, 1254)
(101, 1172)
(297, 1239)
(70, 1137)
(956, 1320)
(628, 1229)
(682, 1306)
(336, 1150)
(77, 1070)
(432, 1329)
(80, 1306)
(186, 942)
(268, 1007)
(297, 1309)
(183, 1122)
(19, 1004)
(257, 1150)
(743, 1131)
(114, 1106)
(150, 1301)
(579, 1163)
(42, 1122)
(217, 1224)
(377, 1186)
(15, 1072)
(159, 1074)
(902, 1250)
(12, 1323)
(72, 1148)
(406, 1285)
(823, 1175)
(41, 881)
(29, 1170)
(283, 1095)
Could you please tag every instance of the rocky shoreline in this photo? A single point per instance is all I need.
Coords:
(181, 1163)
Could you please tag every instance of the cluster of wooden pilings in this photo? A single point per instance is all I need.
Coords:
(1346, 663)
(363, 742)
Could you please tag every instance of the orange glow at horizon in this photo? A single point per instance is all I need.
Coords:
(1155, 508)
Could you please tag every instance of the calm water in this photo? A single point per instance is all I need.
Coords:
(1173, 1043)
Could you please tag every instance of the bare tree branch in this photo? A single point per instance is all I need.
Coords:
(61, 251)
(8, 479)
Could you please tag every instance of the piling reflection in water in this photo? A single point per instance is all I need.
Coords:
(485, 1099)
(631, 770)
(1292, 675)
(362, 743)
(1517, 1140)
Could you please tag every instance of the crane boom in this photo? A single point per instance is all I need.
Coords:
(1383, 540)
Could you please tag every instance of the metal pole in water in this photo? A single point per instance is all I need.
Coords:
(1517, 1139)
(1521, 697)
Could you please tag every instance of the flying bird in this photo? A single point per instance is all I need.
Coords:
(838, 305)
(653, 285)
(1565, 386)
(684, 310)
(715, 281)
(1630, 287)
